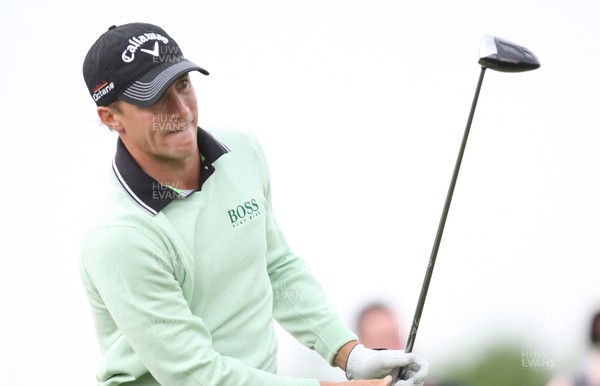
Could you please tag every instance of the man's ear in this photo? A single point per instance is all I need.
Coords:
(109, 116)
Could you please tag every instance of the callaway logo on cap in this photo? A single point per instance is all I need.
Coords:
(134, 62)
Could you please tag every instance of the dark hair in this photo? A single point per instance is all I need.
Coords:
(594, 336)
(116, 105)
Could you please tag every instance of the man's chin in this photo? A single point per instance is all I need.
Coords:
(182, 141)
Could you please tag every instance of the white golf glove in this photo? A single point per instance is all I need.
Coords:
(364, 363)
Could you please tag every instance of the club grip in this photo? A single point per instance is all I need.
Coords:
(403, 373)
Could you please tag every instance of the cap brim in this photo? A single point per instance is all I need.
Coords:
(147, 90)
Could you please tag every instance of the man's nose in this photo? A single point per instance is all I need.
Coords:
(176, 104)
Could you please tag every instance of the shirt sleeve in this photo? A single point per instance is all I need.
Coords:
(139, 290)
(300, 304)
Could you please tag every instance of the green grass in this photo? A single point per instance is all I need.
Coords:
(498, 365)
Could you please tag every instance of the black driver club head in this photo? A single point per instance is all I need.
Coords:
(502, 55)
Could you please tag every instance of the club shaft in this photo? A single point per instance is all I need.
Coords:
(438, 237)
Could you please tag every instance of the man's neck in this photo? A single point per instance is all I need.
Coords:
(179, 174)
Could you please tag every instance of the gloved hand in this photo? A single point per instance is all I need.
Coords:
(364, 363)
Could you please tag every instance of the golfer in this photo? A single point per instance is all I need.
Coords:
(185, 267)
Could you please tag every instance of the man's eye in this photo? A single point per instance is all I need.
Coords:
(184, 83)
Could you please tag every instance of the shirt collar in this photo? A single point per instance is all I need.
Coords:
(149, 193)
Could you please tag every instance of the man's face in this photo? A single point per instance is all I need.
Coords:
(165, 131)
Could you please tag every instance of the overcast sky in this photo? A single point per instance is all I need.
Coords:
(360, 107)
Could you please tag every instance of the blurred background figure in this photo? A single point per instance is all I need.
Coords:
(375, 323)
(589, 375)
(377, 326)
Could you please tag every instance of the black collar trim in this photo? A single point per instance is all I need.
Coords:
(151, 195)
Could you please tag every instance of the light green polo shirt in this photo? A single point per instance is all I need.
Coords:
(184, 287)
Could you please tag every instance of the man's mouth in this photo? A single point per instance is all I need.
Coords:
(176, 127)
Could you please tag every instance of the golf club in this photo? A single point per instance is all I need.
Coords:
(499, 55)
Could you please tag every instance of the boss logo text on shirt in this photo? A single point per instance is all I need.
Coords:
(244, 213)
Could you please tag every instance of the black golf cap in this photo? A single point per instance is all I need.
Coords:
(134, 62)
